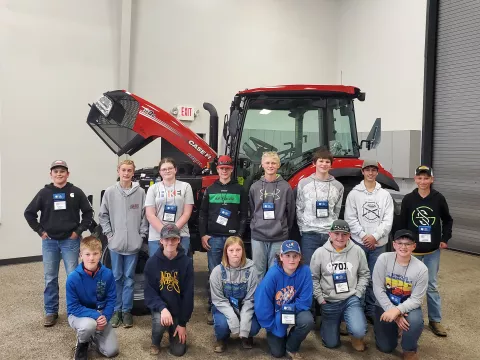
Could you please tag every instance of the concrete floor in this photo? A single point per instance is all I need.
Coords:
(22, 335)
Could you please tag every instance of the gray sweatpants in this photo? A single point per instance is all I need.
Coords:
(105, 340)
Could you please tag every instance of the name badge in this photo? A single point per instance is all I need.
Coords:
(169, 213)
(322, 209)
(288, 314)
(341, 283)
(223, 217)
(234, 302)
(425, 234)
(268, 211)
(60, 205)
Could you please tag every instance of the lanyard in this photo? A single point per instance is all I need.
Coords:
(404, 275)
(264, 195)
(316, 195)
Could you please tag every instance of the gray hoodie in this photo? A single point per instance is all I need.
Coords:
(309, 191)
(326, 261)
(369, 213)
(239, 283)
(281, 195)
(122, 217)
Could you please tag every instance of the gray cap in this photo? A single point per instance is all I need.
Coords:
(169, 231)
(58, 163)
(340, 226)
(367, 163)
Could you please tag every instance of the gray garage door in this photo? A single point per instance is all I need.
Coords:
(456, 136)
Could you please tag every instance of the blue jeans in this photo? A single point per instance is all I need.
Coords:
(123, 268)
(386, 334)
(291, 343)
(263, 255)
(153, 245)
(434, 303)
(368, 299)
(222, 331)
(215, 253)
(175, 346)
(332, 314)
(52, 252)
(310, 242)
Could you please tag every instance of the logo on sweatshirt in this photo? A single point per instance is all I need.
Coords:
(284, 295)
(339, 267)
(423, 216)
(134, 206)
(371, 211)
(169, 281)
(265, 194)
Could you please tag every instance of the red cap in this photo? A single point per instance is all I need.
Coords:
(225, 161)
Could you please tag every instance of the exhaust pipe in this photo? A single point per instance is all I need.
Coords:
(213, 135)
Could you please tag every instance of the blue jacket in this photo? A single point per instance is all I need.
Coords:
(169, 284)
(276, 289)
(89, 296)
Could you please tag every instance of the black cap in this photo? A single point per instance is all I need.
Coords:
(404, 233)
(340, 226)
(423, 169)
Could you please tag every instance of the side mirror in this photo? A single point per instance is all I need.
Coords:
(374, 136)
(225, 127)
(233, 122)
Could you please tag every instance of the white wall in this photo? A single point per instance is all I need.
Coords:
(381, 50)
(56, 57)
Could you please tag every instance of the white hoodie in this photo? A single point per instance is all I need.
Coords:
(369, 213)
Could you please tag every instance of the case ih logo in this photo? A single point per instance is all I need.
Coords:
(199, 149)
(150, 114)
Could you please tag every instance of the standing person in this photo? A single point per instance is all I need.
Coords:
(169, 201)
(169, 291)
(319, 200)
(425, 213)
(223, 213)
(272, 208)
(340, 275)
(90, 292)
(283, 299)
(60, 228)
(122, 217)
(369, 213)
(233, 283)
(400, 282)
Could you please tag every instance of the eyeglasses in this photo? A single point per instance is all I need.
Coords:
(406, 245)
(167, 169)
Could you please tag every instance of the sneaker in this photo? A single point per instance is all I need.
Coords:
(343, 329)
(50, 320)
(127, 319)
(116, 319)
(437, 328)
(154, 350)
(410, 355)
(294, 355)
(209, 318)
(220, 346)
(247, 343)
(81, 351)
(358, 344)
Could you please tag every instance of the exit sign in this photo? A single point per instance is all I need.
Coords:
(184, 112)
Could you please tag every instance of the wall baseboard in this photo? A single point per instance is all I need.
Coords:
(21, 260)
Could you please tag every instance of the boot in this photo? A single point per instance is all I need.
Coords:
(247, 343)
(358, 344)
(437, 328)
(410, 355)
(81, 351)
(220, 346)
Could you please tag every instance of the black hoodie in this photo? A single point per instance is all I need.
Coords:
(431, 210)
(59, 224)
(169, 284)
(231, 197)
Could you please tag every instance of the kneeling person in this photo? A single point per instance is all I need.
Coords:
(90, 301)
(340, 275)
(400, 282)
(232, 285)
(169, 291)
(283, 299)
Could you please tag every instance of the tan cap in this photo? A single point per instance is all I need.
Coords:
(59, 163)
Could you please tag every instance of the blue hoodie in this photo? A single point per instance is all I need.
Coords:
(169, 284)
(276, 289)
(89, 296)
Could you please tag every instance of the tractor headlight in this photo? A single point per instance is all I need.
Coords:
(104, 105)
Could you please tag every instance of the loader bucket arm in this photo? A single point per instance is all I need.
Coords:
(126, 123)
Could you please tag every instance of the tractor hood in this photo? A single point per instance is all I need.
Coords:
(126, 123)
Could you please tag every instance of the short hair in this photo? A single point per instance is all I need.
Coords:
(322, 153)
(272, 154)
(90, 242)
(126, 162)
(232, 240)
(167, 160)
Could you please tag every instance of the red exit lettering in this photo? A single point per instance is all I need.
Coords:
(186, 111)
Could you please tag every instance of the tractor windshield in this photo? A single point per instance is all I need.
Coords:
(295, 128)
